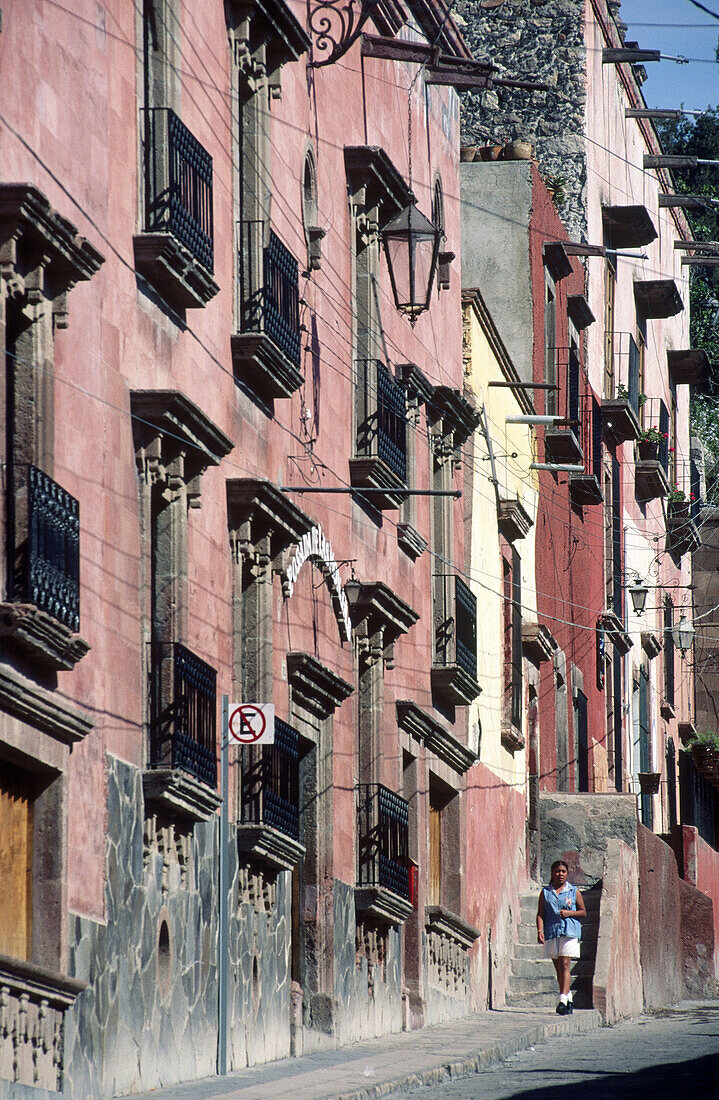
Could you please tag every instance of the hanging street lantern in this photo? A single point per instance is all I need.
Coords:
(411, 244)
(638, 594)
(683, 634)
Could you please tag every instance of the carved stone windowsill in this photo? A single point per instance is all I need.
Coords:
(651, 480)
(651, 644)
(538, 642)
(435, 737)
(42, 709)
(666, 709)
(512, 738)
(269, 846)
(28, 630)
(619, 419)
(615, 632)
(180, 793)
(445, 923)
(585, 489)
(410, 540)
(453, 685)
(374, 473)
(31, 1038)
(382, 905)
(258, 362)
(687, 731)
(682, 535)
(562, 445)
(173, 271)
(513, 519)
(314, 686)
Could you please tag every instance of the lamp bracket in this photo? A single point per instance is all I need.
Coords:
(335, 26)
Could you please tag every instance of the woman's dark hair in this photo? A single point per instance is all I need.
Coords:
(559, 863)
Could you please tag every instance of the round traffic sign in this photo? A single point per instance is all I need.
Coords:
(247, 723)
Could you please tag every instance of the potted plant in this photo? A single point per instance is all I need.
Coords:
(677, 503)
(648, 444)
(704, 747)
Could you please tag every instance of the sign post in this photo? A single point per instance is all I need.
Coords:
(222, 936)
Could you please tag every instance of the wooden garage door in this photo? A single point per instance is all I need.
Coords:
(15, 863)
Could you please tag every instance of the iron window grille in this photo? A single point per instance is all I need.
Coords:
(383, 838)
(271, 784)
(184, 728)
(591, 436)
(455, 623)
(178, 183)
(269, 280)
(382, 428)
(52, 566)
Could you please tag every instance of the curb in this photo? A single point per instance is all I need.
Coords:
(497, 1052)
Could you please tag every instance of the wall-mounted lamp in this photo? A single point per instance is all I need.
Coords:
(411, 244)
(683, 634)
(638, 592)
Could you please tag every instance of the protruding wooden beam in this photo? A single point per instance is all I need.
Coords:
(629, 56)
(700, 246)
(576, 248)
(692, 201)
(652, 112)
(700, 261)
(669, 162)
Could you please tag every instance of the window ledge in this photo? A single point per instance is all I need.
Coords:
(443, 922)
(651, 644)
(666, 709)
(585, 489)
(270, 846)
(374, 473)
(514, 519)
(173, 271)
(382, 905)
(259, 363)
(619, 419)
(42, 709)
(512, 738)
(562, 445)
(410, 540)
(28, 630)
(452, 684)
(650, 479)
(180, 793)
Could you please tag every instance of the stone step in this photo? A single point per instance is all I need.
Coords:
(528, 908)
(547, 984)
(527, 933)
(534, 951)
(529, 968)
(582, 999)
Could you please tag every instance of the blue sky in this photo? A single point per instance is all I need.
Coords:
(678, 28)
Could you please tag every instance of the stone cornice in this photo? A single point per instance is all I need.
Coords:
(180, 793)
(37, 982)
(26, 213)
(285, 38)
(41, 709)
(458, 416)
(445, 923)
(369, 166)
(537, 641)
(171, 414)
(314, 686)
(256, 501)
(435, 737)
(27, 629)
(376, 602)
(415, 382)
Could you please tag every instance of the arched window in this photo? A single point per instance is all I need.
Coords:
(310, 213)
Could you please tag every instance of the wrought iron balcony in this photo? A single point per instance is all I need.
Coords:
(52, 568)
(271, 784)
(381, 461)
(654, 460)
(178, 221)
(454, 672)
(383, 839)
(586, 488)
(184, 728)
(562, 442)
(268, 350)
(621, 405)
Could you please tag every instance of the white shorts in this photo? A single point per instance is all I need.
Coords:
(568, 946)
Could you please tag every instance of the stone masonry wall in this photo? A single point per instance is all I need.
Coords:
(149, 1016)
(542, 41)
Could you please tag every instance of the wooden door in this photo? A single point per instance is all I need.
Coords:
(15, 863)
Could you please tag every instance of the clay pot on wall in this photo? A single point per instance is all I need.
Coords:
(467, 153)
(647, 451)
(518, 150)
(490, 152)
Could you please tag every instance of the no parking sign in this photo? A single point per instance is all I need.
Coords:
(252, 723)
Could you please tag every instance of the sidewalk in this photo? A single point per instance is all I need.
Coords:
(392, 1063)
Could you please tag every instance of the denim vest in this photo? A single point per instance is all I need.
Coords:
(554, 925)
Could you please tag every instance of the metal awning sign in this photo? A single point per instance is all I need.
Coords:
(252, 723)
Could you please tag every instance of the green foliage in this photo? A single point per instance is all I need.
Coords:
(700, 137)
(708, 739)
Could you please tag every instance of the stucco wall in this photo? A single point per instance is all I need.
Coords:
(697, 941)
(659, 921)
(578, 827)
(701, 869)
(617, 987)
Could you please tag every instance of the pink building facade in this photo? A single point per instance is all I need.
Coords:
(199, 322)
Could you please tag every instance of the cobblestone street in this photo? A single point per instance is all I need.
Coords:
(670, 1054)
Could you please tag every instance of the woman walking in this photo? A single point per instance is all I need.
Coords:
(560, 909)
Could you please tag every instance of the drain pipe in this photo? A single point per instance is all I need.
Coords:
(222, 930)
